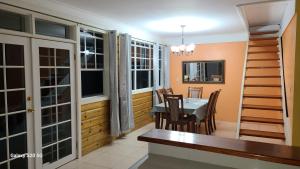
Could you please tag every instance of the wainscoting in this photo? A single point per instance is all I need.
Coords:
(95, 126)
(95, 122)
(142, 105)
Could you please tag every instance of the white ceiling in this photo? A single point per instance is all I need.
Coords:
(263, 14)
(164, 17)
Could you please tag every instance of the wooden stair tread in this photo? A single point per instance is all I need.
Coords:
(261, 120)
(270, 51)
(266, 134)
(263, 67)
(265, 59)
(264, 45)
(261, 39)
(262, 96)
(262, 85)
(264, 76)
(262, 107)
(263, 33)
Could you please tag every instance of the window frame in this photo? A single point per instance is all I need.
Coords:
(71, 26)
(134, 68)
(105, 81)
(31, 16)
(67, 28)
(28, 21)
(161, 65)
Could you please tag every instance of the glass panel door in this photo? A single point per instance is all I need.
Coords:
(55, 97)
(15, 99)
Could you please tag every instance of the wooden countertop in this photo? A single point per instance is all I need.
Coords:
(248, 149)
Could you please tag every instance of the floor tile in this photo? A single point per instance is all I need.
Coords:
(76, 164)
(126, 151)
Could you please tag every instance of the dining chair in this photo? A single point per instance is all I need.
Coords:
(214, 111)
(207, 119)
(195, 92)
(162, 115)
(160, 95)
(169, 91)
(175, 114)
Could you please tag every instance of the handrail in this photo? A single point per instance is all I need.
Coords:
(285, 114)
(283, 77)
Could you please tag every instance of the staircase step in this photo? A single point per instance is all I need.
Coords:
(263, 67)
(255, 52)
(266, 134)
(268, 76)
(262, 96)
(263, 140)
(264, 45)
(261, 120)
(263, 33)
(263, 59)
(261, 39)
(262, 107)
(274, 41)
(262, 113)
(262, 85)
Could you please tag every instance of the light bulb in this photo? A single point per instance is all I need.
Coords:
(174, 48)
(182, 48)
(190, 48)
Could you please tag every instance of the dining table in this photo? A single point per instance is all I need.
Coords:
(192, 106)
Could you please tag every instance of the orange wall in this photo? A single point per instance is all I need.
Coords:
(296, 111)
(233, 53)
(289, 48)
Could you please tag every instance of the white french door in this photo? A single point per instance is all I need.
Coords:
(16, 115)
(54, 102)
(37, 103)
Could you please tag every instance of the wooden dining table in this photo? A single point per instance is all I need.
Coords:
(191, 106)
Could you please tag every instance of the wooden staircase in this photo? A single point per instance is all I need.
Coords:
(261, 109)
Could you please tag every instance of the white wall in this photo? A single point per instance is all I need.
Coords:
(220, 159)
(204, 39)
(288, 15)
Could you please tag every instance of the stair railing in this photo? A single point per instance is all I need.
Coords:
(285, 114)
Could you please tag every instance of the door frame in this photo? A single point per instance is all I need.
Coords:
(36, 43)
(18, 40)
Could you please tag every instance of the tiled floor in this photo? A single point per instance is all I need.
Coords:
(123, 153)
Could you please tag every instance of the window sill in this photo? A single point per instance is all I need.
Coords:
(142, 90)
(93, 99)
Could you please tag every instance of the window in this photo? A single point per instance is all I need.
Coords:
(160, 66)
(141, 65)
(48, 28)
(13, 21)
(92, 63)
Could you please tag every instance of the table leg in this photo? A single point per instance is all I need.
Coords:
(157, 120)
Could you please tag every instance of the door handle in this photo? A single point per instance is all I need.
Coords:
(30, 110)
(29, 100)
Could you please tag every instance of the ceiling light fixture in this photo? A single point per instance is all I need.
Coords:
(181, 49)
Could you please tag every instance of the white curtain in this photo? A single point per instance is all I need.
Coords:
(166, 55)
(125, 89)
(114, 81)
(155, 72)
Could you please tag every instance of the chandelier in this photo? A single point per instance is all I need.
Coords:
(181, 49)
